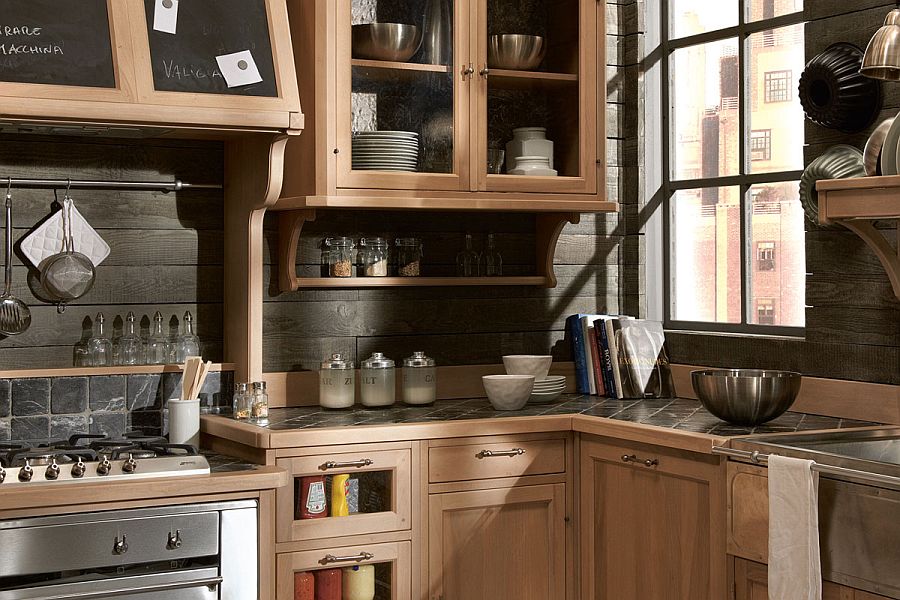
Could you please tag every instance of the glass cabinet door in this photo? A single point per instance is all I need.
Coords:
(538, 94)
(402, 122)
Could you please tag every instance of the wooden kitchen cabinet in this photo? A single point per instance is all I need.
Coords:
(751, 583)
(652, 523)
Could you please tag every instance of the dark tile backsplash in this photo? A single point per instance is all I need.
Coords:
(41, 408)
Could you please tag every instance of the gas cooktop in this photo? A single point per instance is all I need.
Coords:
(85, 458)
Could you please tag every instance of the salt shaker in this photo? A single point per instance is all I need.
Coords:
(337, 382)
(377, 386)
(419, 379)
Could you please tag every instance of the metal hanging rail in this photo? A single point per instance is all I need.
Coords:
(759, 458)
(166, 186)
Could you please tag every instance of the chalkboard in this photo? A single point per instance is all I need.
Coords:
(58, 42)
(186, 60)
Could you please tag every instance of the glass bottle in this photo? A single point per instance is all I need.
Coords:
(337, 385)
(419, 379)
(467, 260)
(241, 401)
(409, 257)
(188, 343)
(131, 347)
(373, 257)
(340, 256)
(157, 343)
(377, 386)
(100, 347)
(259, 404)
(492, 261)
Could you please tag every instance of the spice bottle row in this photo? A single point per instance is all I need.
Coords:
(372, 257)
(130, 348)
(378, 381)
(350, 583)
(251, 402)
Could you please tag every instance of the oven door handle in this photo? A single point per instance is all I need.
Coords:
(210, 582)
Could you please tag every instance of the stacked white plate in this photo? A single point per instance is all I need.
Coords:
(386, 151)
(548, 390)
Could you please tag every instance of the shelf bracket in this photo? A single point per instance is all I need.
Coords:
(888, 255)
(548, 228)
(290, 224)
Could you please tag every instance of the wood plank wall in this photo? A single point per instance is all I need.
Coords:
(852, 319)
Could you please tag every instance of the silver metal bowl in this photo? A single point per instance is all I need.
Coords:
(516, 51)
(386, 41)
(746, 396)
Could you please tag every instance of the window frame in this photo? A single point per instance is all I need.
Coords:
(768, 92)
(767, 149)
(744, 181)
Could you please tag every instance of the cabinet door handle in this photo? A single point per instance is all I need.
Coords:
(648, 462)
(496, 453)
(484, 72)
(330, 559)
(363, 462)
(468, 71)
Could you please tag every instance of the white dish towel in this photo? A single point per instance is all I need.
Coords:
(795, 569)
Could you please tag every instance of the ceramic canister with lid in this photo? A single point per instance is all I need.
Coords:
(377, 386)
(337, 382)
(528, 141)
(419, 379)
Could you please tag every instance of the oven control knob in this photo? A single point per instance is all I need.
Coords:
(120, 546)
(104, 467)
(130, 465)
(52, 472)
(174, 540)
(2, 474)
(26, 473)
(78, 469)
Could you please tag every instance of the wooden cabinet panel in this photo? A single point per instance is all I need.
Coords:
(472, 461)
(498, 544)
(751, 582)
(651, 531)
(748, 517)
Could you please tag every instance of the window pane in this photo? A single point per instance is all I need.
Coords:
(705, 110)
(690, 17)
(757, 10)
(776, 62)
(777, 255)
(705, 255)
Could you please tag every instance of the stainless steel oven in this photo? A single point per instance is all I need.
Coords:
(190, 552)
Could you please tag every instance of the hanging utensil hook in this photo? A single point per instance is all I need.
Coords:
(68, 186)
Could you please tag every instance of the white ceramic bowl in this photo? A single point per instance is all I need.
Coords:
(544, 397)
(528, 364)
(508, 392)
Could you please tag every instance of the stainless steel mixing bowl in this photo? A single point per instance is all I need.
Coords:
(746, 396)
(516, 51)
(386, 41)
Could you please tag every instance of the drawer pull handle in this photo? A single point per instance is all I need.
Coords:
(331, 559)
(363, 462)
(495, 453)
(649, 462)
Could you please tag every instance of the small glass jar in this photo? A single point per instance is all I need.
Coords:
(241, 401)
(378, 385)
(373, 257)
(337, 382)
(259, 403)
(339, 256)
(409, 257)
(419, 380)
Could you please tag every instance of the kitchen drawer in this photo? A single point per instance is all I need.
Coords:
(392, 561)
(385, 488)
(494, 460)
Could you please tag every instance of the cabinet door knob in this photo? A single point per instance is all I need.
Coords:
(647, 462)
(468, 71)
(484, 72)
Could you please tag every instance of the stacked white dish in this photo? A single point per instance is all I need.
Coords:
(548, 389)
(386, 151)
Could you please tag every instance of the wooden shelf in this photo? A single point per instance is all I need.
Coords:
(435, 201)
(398, 71)
(509, 79)
(94, 371)
(857, 204)
(375, 282)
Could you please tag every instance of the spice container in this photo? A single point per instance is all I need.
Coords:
(377, 385)
(241, 402)
(419, 379)
(373, 257)
(409, 257)
(359, 582)
(259, 406)
(312, 498)
(337, 383)
(340, 256)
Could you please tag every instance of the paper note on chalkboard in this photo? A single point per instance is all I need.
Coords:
(165, 16)
(239, 69)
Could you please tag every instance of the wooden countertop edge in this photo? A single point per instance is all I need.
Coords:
(262, 478)
(648, 434)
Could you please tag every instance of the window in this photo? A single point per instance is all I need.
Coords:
(732, 225)
(778, 86)
(761, 144)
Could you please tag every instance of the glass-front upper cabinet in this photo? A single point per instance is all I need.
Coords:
(538, 95)
(402, 117)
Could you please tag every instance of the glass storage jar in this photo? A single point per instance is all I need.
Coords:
(378, 381)
(259, 405)
(337, 382)
(339, 256)
(409, 257)
(419, 379)
(242, 401)
(373, 257)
